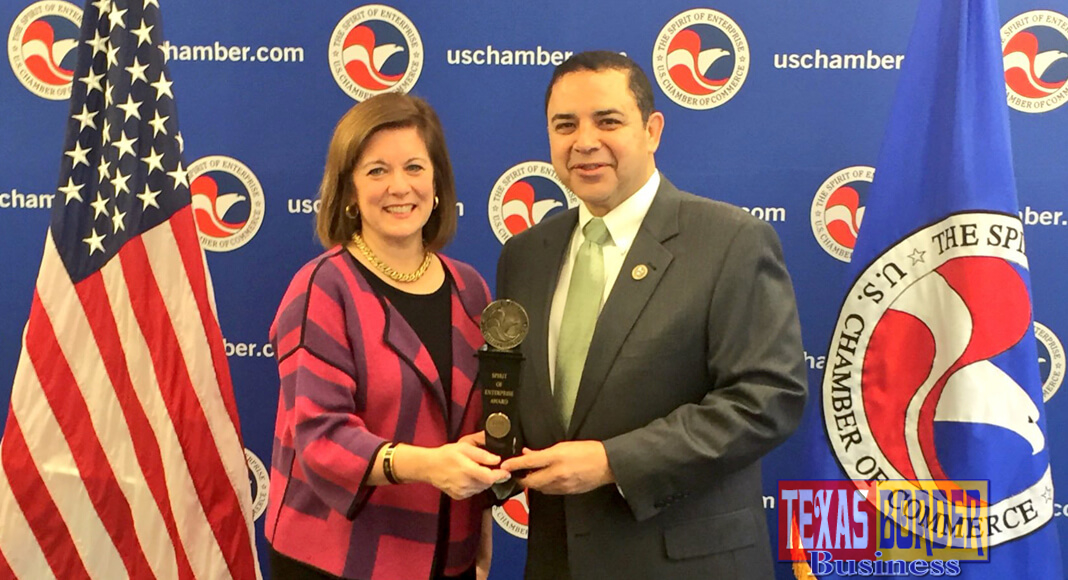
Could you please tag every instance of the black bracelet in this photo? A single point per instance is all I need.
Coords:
(387, 464)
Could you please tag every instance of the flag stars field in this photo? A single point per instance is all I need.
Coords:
(180, 176)
(116, 220)
(125, 146)
(78, 155)
(143, 34)
(148, 198)
(113, 54)
(95, 241)
(158, 125)
(119, 182)
(131, 108)
(100, 206)
(86, 118)
(137, 71)
(153, 161)
(99, 44)
(123, 64)
(115, 17)
(108, 101)
(103, 170)
(72, 190)
(163, 86)
(92, 82)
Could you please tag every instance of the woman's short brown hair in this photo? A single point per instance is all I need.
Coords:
(353, 131)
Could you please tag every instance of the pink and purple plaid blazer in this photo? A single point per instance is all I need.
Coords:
(354, 376)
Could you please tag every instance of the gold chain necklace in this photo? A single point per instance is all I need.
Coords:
(387, 270)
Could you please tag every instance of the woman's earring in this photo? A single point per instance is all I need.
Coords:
(352, 211)
(435, 202)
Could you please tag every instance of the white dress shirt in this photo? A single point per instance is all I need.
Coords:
(623, 223)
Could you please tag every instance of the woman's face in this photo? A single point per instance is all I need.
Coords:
(394, 181)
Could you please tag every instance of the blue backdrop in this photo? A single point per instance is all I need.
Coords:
(791, 132)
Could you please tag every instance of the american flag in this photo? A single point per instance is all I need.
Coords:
(122, 455)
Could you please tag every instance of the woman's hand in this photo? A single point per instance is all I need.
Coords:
(460, 469)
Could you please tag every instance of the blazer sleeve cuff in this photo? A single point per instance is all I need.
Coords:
(365, 491)
(628, 481)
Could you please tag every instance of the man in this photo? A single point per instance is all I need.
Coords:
(644, 454)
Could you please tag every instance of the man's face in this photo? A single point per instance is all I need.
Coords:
(600, 148)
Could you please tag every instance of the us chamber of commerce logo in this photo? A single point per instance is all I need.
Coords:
(260, 481)
(42, 48)
(701, 58)
(524, 195)
(375, 49)
(513, 516)
(1035, 48)
(926, 358)
(838, 210)
(1050, 360)
(227, 202)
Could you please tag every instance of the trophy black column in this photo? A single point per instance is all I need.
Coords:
(499, 375)
(504, 325)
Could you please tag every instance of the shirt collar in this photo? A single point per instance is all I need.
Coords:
(625, 219)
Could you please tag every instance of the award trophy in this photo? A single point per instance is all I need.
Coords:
(504, 326)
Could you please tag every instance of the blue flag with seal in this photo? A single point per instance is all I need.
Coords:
(932, 371)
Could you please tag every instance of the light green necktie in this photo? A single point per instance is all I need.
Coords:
(580, 316)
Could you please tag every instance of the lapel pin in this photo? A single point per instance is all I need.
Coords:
(639, 272)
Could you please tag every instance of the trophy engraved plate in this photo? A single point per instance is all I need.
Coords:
(498, 425)
(504, 325)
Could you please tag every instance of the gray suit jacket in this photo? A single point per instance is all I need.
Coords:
(694, 373)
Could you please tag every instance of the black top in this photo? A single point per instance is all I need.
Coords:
(429, 315)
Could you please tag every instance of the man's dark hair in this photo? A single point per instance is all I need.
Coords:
(599, 60)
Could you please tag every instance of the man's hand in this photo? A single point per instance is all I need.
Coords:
(569, 467)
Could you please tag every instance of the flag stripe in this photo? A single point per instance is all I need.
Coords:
(35, 500)
(206, 355)
(164, 550)
(17, 539)
(200, 548)
(185, 234)
(194, 431)
(5, 569)
(80, 311)
(70, 409)
(210, 356)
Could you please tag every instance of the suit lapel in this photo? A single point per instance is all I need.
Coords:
(542, 279)
(628, 297)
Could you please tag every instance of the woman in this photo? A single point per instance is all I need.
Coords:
(376, 471)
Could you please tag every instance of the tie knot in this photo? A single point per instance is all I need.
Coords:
(596, 232)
